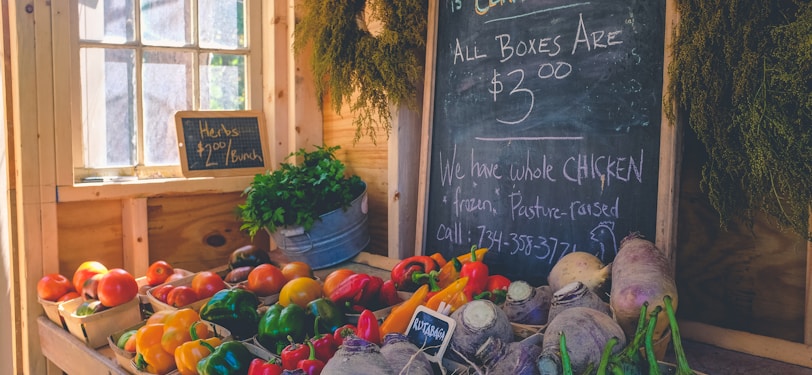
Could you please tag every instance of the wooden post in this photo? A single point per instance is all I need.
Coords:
(808, 302)
(404, 158)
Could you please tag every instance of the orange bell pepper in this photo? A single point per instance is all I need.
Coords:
(177, 329)
(150, 356)
(449, 295)
(399, 317)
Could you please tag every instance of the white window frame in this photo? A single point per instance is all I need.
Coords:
(271, 44)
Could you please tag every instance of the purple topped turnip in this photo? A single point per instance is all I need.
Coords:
(516, 358)
(576, 294)
(404, 357)
(476, 322)
(527, 305)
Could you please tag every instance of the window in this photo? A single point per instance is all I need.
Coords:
(142, 60)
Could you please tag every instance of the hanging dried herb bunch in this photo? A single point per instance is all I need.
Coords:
(742, 73)
(369, 72)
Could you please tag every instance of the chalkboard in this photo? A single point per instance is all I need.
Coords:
(221, 143)
(544, 123)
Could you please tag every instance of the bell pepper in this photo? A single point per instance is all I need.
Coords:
(368, 327)
(439, 258)
(389, 294)
(178, 326)
(477, 273)
(188, 354)
(262, 367)
(398, 318)
(369, 296)
(149, 355)
(402, 273)
(448, 295)
(495, 289)
(234, 309)
(293, 353)
(328, 314)
(311, 365)
(280, 322)
(230, 358)
(350, 289)
(342, 332)
(323, 343)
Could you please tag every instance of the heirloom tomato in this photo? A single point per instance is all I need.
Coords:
(117, 287)
(53, 286)
(158, 272)
(85, 271)
(181, 296)
(206, 283)
(296, 269)
(265, 280)
(300, 291)
(160, 292)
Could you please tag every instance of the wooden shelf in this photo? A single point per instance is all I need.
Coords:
(72, 355)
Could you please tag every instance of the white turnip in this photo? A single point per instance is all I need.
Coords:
(640, 273)
(357, 356)
(476, 321)
(525, 304)
(583, 267)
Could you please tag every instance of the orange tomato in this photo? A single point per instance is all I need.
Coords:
(117, 287)
(300, 291)
(85, 271)
(296, 269)
(265, 280)
(53, 286)
(334, 278)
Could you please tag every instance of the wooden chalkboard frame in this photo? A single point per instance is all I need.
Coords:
(669, 148)
(255, 118)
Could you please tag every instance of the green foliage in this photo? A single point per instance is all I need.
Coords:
(742, 73)
(297, 194)
(370, 73)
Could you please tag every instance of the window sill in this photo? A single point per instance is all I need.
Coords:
(151, 188)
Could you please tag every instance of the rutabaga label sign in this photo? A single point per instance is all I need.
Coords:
(431, 331)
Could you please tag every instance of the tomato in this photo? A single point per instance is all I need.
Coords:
(334, 278)
(85, 271)
(300, 291)
(265, 280)
(158, 272)
(177, 275)
(206, 283)
(181, 296)
(69, 296)
(117, 287)
(293, 270)
(53, 286)
(160, 292)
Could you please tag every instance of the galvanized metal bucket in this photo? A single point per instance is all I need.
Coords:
(338, 236)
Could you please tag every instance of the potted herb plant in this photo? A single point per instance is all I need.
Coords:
(313, 210)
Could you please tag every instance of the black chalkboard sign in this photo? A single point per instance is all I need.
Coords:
(430, 331)
(221, 143)
(544, 129)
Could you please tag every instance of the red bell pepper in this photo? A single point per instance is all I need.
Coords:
(389, 294)
(260, 367)
(495, 289)
(477, 273)
(293, 353)
(350, 289)
(404, 270)
(368, 327)
(311, 365)
(342, 332)
(369, 295)
(323, 344)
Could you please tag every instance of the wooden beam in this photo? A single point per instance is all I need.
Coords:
(403, 168)
(135, 235)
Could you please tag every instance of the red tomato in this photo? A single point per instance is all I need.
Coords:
(177, 275)
(206, 283)
(69, 296)
(181, 296)
(85, 271)
(117, 287)
(162, 291)
(265, 280)
(158, 272)
(51, 287)
(293, 270)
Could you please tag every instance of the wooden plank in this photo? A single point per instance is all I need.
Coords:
(151, 188)
(808, 291)
(403, 167)
(90, 231)
(66, 95)
(135, 235)
(305, 126)
(748, 343)
(277, 95)
(71, 354)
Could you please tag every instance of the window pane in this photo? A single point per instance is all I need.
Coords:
(167, 87)
(108, 102)
(222, 24)
(108, 20)
(222, 81)
(166, 22)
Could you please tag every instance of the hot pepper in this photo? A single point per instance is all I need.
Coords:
(398, 318)
(403, 271)
(389, 294)
(369, 295)
(441, 261)
(234, 309)
(280, 322)
(311, 365)
(190, 353)
(293, 353)
(261, 367)
(329, 316)
(368, 327)
(323, 344)
(230, 358)
(495, 289)
(350, 289)
(448, 295)
(477, 273)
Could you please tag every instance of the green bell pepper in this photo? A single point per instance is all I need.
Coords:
(230, 358)
(279, 322)
(330, 315)
(234, 309)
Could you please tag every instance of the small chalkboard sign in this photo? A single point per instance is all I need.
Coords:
(431, 331)
(222, 143)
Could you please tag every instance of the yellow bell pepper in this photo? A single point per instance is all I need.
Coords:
(190, 353)
(399, 317)
(150, 356)
(449, 295)
(177, 329)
